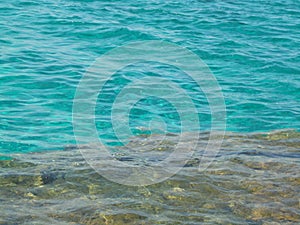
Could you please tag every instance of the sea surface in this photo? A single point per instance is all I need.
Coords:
(251, 48)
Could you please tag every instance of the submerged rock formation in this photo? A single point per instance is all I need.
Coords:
(254, 179)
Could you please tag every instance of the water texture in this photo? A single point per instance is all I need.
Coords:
(252, 48)
(46, 46)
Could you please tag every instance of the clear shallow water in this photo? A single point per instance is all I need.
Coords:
(46, 46)
(253, 180)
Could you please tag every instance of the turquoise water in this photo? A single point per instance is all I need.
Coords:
(251, 47)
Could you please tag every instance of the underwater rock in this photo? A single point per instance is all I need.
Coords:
(252, 180)
(48, 176)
